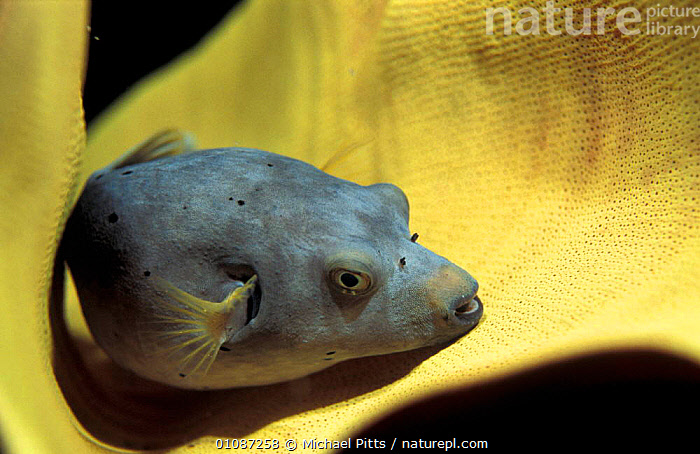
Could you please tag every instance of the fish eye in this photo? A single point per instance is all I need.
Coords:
(352, 272)
(353, 282)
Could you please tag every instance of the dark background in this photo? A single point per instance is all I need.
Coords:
(129, 40)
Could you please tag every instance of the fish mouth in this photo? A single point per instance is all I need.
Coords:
(468, 307)
(467, 310)
(242, 274)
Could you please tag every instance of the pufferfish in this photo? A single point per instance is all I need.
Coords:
(237, 267)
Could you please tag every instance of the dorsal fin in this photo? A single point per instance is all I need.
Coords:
(170, 142)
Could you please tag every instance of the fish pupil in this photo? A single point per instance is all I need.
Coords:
(349, 280)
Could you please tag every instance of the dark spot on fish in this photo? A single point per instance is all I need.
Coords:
(230, 198)
(182, 375)
(331, 353)
(224, 349)
(98, 176)
(414, 237)
(127, 172)
(402, 262)
(112, 218)
(241, 202)
(269, 165)
(184, 207)
(146, 273)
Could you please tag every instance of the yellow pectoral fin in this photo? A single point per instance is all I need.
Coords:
(194, 329)
(241, 293)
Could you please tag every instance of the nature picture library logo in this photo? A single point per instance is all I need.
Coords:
(655, 20)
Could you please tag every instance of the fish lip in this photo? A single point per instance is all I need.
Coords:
(467, 309)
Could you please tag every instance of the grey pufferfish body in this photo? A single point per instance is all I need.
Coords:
(238, 267)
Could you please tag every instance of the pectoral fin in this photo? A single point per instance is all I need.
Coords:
(194, 329)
